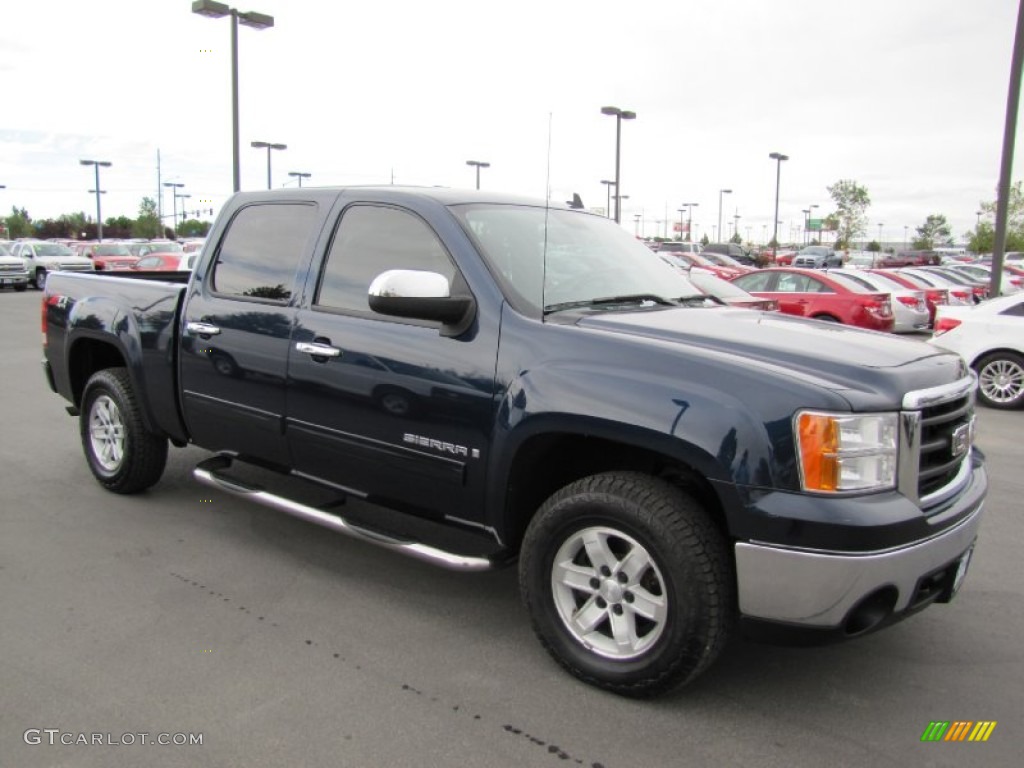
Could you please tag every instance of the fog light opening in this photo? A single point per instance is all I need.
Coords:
(870, 612)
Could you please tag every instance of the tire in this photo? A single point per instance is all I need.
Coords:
(122, 455)
(39, 280)
(665, 587)
(1001, 380)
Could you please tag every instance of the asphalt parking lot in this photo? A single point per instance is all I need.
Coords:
(185, 611)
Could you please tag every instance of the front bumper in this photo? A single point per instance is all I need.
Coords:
(817, 589)
(13, 278)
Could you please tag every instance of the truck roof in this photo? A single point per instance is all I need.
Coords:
(442, 195)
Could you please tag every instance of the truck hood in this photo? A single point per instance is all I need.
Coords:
(870, 369)
(62, 260)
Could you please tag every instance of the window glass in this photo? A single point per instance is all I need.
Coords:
(371, 240)
(754, 281)
(1016, 310)
(261, 250)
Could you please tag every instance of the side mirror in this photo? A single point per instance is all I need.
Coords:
(421, 296)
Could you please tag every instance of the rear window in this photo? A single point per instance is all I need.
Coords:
(259, 255)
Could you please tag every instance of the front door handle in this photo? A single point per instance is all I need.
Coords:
(202, 329)
(318, 350)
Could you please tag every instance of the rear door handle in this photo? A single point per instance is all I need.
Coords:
(202, 329)
(318, 350)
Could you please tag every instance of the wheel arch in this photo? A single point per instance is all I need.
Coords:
(87, 355)
(543, 463)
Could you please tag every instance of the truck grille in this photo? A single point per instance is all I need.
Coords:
(75, 268)
(12, 268)
(946, 435)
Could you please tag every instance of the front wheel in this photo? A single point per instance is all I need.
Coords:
(39, 280)
(123, 456)
(1001, 380)
(628, 583)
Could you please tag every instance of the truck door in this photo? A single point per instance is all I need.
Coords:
(387, 407)
(237, 322)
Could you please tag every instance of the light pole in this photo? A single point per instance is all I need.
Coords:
(636, 225)
(720, 193)
(268, 146)
(300, 176)
(215, 10)
(736, 224)
(905, 230)
(807, 222)
(183, 197)
(608, 195)
(619, 199)
(880, 237)
(620, 115)
(96, 164)
(175, 186)
(479, 164)
(689, 220)
(778, 157)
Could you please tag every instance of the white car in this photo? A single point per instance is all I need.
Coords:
(990, 337)
(909, 308)
(1009, 283)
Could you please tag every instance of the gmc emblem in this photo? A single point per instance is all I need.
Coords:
(960, 440)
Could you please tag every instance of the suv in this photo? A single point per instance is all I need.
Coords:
(732, 250)
(42, 257)
(12, 270)
(817, 257)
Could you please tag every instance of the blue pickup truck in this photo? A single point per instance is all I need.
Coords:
(505, 381)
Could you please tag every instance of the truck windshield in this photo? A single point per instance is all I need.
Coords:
(548, 259)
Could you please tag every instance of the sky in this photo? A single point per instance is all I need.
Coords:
(906, 97)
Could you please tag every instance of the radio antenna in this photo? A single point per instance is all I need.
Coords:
(547, 208)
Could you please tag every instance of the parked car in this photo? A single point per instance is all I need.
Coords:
(808, 293)
(154, 246)
(978, 287)
(817, 257)
(13, 271)
(958, 292)
(729, 293)
(990, 337)
(675, 246)
(909, 308)
(166, 262)
(693, 260)
(42, 257)
(107, 256)
(934, 296)
(1009, 282)
(734, 251)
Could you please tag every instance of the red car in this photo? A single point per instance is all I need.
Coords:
(933, 297)
(166, 262)
(808, 293)
(688, 261)
(108, 256)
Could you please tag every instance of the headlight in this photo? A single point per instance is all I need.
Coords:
(847, 452)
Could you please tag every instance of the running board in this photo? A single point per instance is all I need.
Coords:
(209, 473)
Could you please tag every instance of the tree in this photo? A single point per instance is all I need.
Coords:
(704, 240)
(19, 223)
(933, 233)
(194, 228)
(851, 201)
(148, 223)
(982, 239)
(736, 238)
(874, 246)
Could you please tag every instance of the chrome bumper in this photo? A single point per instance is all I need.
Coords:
(820, 589)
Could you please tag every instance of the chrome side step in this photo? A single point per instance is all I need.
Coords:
(209, 473)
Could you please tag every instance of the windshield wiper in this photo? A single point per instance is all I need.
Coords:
(604, 301)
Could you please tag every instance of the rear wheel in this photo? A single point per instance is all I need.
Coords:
(628, 583)
(1001, 380)
(123, 456)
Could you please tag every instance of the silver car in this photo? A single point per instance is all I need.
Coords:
(909, 308)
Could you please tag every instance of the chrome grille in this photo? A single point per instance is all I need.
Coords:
(946, 431)
(76, 267)
(936, 435)
(12, 268)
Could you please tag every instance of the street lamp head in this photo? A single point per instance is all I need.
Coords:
(101, 163)
(300, 174)
(725, 191)
(279, 146)
(778, 156)
(611, 111)
(255, 20)
(609, 183)
(478, 163)
(627, 115)
(174, 184)
(210, 8)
